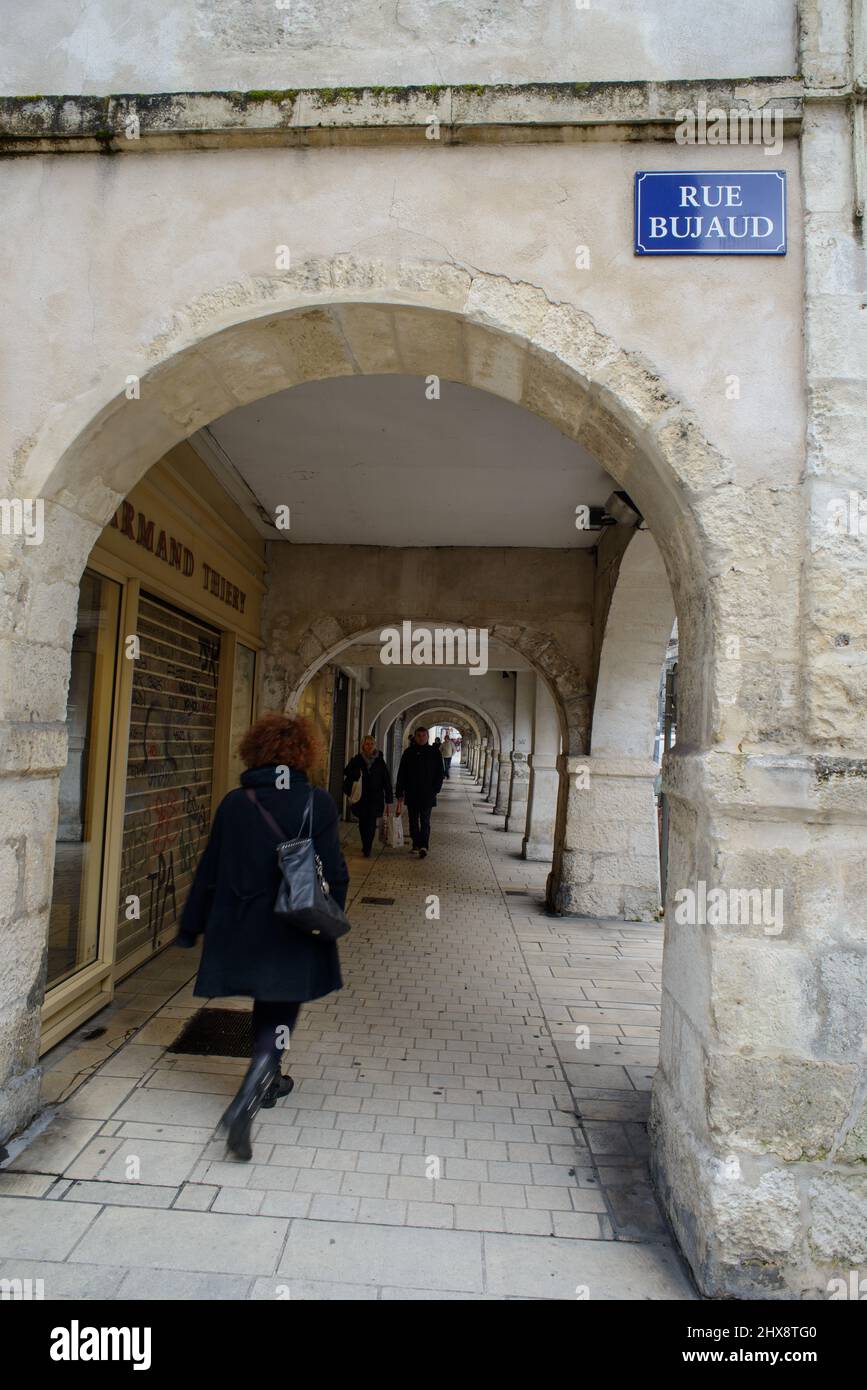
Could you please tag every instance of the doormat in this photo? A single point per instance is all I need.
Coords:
(217, 1033)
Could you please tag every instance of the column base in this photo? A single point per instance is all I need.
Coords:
(609, 862)
(19, 1102)
(750, 1225)
(537, 850)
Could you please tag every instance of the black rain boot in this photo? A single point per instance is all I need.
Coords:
(239, 1117)
(280, 1087)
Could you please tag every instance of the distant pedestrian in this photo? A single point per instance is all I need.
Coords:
(370, 769)
(447, 748)
(248, 951)
(419, 778)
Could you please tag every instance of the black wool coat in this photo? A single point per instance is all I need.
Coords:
(376, 789)
(247, 950)
(420, 775)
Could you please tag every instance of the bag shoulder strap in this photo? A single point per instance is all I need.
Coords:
(272, 824)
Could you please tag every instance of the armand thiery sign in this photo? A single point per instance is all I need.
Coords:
(721, 213)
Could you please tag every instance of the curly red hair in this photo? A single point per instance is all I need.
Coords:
(283, 739)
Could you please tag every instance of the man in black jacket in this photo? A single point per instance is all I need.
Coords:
(419, 779)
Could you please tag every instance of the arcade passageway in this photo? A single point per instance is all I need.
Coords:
(468, 1118)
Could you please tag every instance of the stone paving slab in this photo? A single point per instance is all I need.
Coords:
(73, 1282)
(30, 1229)
(562, 1269)
(204, 1242)
(182, 1285)
(398, 1256)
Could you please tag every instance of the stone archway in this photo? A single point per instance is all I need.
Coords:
(329, 636)
(739, 1145)
(446, 714)
(341, 317)
(436, 697)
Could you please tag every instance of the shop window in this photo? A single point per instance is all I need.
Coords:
(73, 932)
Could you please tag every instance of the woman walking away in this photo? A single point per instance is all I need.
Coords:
(247, 950)
(370, 767)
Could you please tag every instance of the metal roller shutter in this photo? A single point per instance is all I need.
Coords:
(167, 809)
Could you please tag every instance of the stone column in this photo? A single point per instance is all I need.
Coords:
(538, 842)
(501, 785)
(608, 864)
(759, 1121)
(484, 759)
(490, 788)
(519, 775)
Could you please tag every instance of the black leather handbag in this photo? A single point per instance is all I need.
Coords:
(303, 898)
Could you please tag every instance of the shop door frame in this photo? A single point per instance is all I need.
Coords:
(83, 994)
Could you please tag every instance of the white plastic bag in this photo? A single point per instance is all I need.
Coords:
(394, 832)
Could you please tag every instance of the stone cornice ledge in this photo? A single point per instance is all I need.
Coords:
(532, 113)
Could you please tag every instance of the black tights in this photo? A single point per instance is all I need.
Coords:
(270, 1019)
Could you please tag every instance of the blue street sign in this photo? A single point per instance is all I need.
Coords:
(740, 212)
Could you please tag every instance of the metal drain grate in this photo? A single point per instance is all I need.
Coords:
(217, 1033)
(380, 902)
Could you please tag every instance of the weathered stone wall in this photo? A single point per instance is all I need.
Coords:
(760, 1121)
(190, 45)
(210, 245)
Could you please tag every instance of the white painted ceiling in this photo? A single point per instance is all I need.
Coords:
(368, 460)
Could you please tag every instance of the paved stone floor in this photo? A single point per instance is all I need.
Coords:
(431, 1148)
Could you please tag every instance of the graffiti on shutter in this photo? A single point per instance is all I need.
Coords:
(167, 810)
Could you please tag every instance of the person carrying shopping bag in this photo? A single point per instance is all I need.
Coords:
(367, 783)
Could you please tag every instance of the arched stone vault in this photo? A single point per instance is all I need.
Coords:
(342, 316)
(329, 317)
(561, 676)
